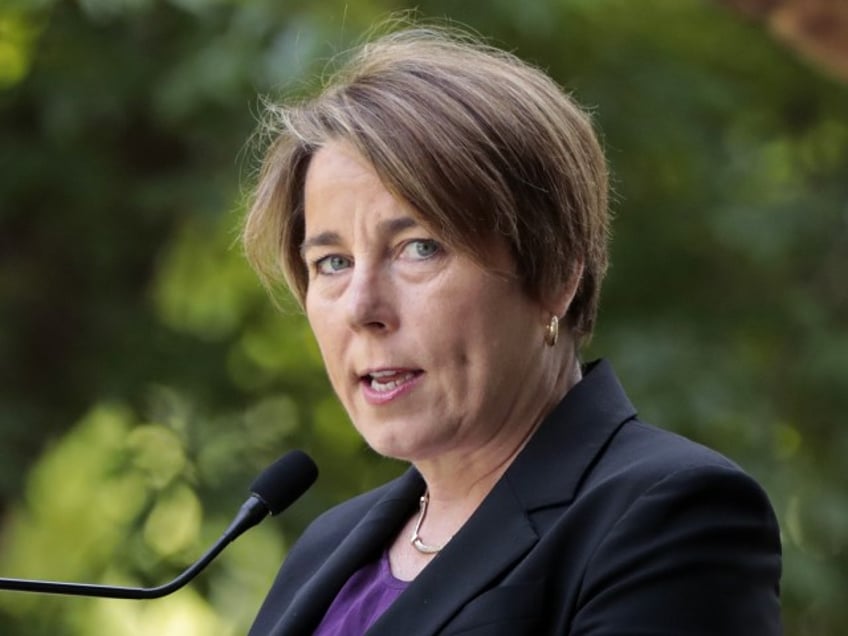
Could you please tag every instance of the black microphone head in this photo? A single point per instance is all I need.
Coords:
(284, 481)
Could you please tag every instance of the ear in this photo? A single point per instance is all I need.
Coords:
(559, 301)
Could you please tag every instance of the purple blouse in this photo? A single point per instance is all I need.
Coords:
(362, 600)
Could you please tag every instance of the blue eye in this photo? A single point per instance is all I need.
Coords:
(331, 264)
(421, 249)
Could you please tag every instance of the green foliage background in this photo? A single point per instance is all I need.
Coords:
(145, 378)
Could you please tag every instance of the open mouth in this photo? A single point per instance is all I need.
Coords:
(388, 380)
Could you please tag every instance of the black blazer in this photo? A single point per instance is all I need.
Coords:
(602, 525)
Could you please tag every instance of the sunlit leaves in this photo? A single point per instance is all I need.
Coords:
(157, 452)
(185, 614)
(18, 33)
(203, 284)
(174, 523)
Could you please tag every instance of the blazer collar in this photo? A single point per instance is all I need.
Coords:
(364, 543)
(551, 467)
(496, 536)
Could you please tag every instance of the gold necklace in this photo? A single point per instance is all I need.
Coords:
(415, 540)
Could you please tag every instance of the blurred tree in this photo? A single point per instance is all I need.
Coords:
(144, 377)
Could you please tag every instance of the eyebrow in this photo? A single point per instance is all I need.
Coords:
(319, 240)
(389, 227)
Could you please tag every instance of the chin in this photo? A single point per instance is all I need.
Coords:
(393, 447)
(391, 450)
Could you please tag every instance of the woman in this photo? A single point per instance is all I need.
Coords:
(440, 210)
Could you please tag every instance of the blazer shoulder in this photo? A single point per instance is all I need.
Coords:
(642, 461)
(639, 448)
(691, 541)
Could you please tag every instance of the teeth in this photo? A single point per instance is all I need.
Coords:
(377, 385)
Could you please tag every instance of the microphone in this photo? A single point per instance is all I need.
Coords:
(274, 490)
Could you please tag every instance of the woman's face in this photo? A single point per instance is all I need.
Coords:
(431, 355)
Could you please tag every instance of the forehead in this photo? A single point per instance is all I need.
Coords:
(341, 185)
(338, 161)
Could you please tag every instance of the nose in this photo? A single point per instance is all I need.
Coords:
(370, 301)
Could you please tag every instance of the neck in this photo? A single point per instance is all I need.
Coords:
(458, 483)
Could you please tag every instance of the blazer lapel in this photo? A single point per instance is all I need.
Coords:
(496, 536)
(364, 543)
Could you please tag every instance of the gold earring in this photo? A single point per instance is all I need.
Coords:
(552, 331)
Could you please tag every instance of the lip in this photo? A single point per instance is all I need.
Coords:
(377, 398)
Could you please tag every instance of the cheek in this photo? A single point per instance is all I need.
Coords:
(463, 338)
(325, 335)
(499, 333)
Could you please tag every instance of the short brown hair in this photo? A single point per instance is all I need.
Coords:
(478, 142)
